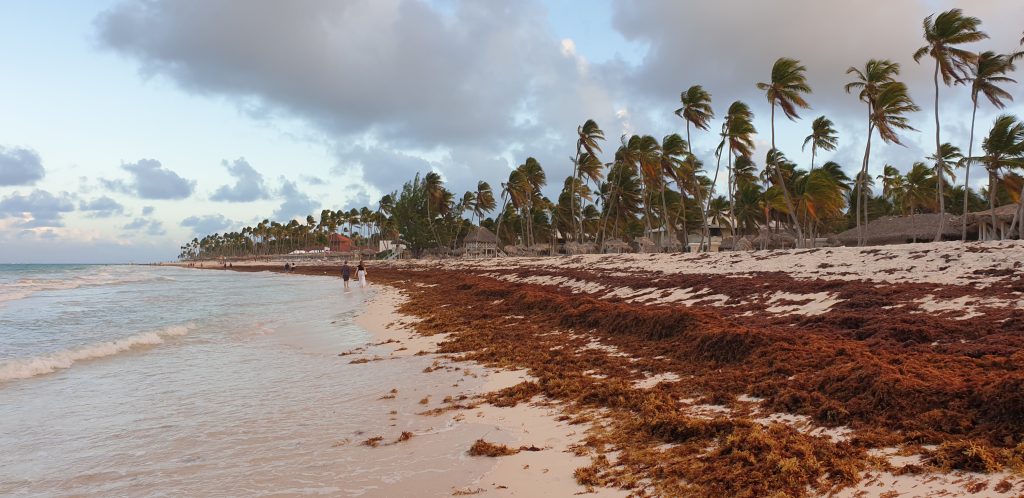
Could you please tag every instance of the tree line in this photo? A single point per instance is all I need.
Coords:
(649, 185)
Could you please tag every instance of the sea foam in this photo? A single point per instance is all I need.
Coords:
(23, 368)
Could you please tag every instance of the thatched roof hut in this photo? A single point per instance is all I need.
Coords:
(981, 222)
(903, 230)
(481, 234)
(480, 242)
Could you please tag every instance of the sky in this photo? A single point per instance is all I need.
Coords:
(127, 127)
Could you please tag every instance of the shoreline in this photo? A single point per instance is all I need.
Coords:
(690, 334)
(527, 473)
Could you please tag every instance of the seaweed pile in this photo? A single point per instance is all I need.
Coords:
(905, 379)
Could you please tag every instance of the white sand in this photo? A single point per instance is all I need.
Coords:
(529, 473)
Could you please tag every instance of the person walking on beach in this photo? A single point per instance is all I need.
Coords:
(361, 274)
(346, 273)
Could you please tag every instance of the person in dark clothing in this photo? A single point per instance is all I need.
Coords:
(346, 273)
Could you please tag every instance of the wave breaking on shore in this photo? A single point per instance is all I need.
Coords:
(23, 368)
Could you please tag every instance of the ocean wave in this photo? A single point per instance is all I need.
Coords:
(23, 368)
(26, 287)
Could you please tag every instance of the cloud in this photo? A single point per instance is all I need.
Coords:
(469, 89)
(20, 166)
(248, 184)
(150, 180)
(296, 204)
(405, 80)
(208, 224)
(147, 210)
(37, 209)
(313, 180)
(102, 207)
(152, 227)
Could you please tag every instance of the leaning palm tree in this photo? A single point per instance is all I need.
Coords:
(823, 136)
(1004, 149)
(738, 134)
(673, 150)
(950, 157)
(696, 110)
(869, 82)
(588, 134)
(942, 34)
(987, 73)
(484, 200)
(535, 179)
(786, 89)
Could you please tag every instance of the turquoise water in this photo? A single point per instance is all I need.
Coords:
(157, 381)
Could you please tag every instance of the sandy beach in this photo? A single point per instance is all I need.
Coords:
(886, 371)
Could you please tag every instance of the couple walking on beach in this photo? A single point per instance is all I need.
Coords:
(346, 274)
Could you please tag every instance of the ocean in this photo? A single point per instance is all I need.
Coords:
(167, 381)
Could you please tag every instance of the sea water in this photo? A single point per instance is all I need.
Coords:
(166, 381)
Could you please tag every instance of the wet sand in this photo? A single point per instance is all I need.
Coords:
(888, 371)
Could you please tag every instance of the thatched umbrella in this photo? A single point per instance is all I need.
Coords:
(615, 246)
(540, 249)
(573, 248)
(644, 244)
(670, 243)
(903, 229)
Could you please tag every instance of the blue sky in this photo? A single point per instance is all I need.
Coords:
(155, 121)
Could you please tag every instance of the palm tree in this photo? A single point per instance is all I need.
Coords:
(434, 187)
(950, 158)
(588, 135)
(786, 89)
(877, 78)
(484, 200)
(1004, 149)
(987, 72)
(673, 150)
(696, 110)
(535, 179)
(942, 34)
(823, 136)
(920, 190)
(894, 187)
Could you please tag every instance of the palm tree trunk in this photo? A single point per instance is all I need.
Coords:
(607, 209)
(861, 180)
(572, 193)
(992, 201)
(810, 227)
(1018, 216)
(707, 210)
(732, 200)
(696, 191)
(938, 161)
(501, 214)
(967, 173)
(664, 216)
(785, 190)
